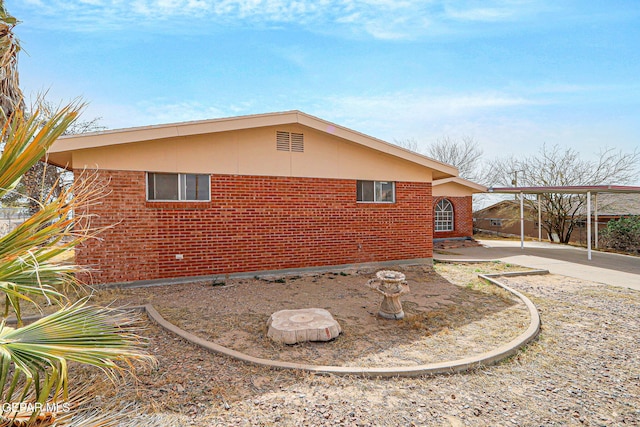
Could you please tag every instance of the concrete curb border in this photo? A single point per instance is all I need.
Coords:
(484, 359)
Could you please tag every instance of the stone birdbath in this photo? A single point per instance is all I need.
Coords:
(391, 285)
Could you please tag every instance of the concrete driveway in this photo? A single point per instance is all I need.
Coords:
(604, 267)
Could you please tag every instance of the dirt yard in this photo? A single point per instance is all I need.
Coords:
(442, 319)
(583, 370)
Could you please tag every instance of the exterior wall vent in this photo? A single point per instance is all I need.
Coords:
(297, 142)
(289, 141)
(282, 141)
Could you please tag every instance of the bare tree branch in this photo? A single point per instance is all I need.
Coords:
(557, 166)
(410, 144)
(42, 179)
(465, 154)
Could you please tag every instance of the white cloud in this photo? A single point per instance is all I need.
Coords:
(383, 19)
(503, 123)
(140, 7)
(412, 107)
(562, 88)
(152, 112)
(488, 10)
(158, 113)
(381, 112)
(479, 14)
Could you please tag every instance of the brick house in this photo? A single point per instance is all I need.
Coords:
(453, 207)
(247, 194)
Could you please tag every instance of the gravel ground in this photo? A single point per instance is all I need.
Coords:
(584, 369)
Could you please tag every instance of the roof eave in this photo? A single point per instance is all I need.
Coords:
(474, 187)
(71, 143)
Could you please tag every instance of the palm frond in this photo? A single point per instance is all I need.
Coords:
(29, 254)
(40, 352)
(27, 140)
(78, 411)
(82, 333)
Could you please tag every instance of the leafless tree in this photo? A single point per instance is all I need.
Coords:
(558, 166)
(410, 144)
(465, 154)
(43, 179)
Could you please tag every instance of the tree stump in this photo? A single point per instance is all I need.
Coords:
(308, 324)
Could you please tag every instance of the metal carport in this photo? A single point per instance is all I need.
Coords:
(571, 189)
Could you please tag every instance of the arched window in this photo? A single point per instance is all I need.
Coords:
(444, 216)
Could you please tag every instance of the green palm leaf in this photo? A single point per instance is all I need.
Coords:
(27, 254)
(27, 140)
(96, 336)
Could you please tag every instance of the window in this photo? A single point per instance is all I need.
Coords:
(496, 222)
(444, 216)
(376, 191)
(177, 186)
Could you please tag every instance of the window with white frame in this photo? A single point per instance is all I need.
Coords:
(443, 215)
(376, 191)
(178, 187)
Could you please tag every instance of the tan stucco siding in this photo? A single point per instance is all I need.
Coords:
(253, 152)
(451, 189)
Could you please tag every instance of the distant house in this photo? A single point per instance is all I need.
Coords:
(610, 207)
(453, 207)
(503, 219)
(615, 206)
(254, 193)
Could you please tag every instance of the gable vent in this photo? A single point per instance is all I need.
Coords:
(288, 141)
(282, 141)
(297, 142)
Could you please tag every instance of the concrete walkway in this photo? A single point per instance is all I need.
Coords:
(604, 267)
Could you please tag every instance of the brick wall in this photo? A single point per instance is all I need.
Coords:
(252, 223)
(462, 219)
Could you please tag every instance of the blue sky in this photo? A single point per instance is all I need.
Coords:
(513, 74)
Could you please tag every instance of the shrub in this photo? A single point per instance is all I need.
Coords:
(623, 234)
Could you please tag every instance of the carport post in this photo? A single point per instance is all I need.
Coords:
(521, 221)
(539, 218)
(589, 225)
(595, 200)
